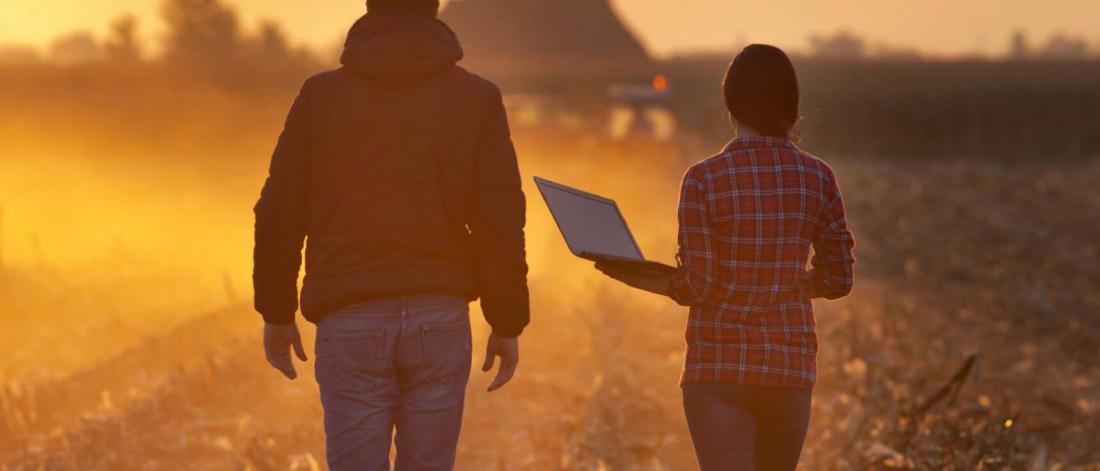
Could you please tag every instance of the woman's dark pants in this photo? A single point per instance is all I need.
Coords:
(739, 427)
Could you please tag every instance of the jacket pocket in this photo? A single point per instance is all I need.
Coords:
(351, 361)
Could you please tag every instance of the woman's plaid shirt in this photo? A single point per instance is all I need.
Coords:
(748, 218)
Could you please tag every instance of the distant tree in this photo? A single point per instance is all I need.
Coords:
(891, 52)
(1064, 47)
(122, 44)
(1020, 47)
(75, 48)
(840, 45)
(18, 54)
(201, 31)
(270, 43)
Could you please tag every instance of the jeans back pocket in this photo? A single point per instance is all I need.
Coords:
(445, 352)
(350, 361)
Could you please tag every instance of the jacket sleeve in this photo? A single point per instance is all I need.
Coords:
(832, 270)
(281, 217)
(496, 222)
(695, 280)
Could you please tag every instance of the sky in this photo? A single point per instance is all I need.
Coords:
(938, 27)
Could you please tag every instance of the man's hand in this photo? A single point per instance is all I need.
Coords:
(278, 340)
(652, 282)
(508, 351)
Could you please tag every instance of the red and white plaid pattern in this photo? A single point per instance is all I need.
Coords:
(748, 218)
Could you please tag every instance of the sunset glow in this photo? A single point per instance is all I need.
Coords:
(941, 27)
(161, 174)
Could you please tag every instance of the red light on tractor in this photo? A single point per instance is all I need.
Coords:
(660, 83)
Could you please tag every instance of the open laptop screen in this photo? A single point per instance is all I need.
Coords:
(589, 223)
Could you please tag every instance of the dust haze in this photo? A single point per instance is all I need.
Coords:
(127, 183)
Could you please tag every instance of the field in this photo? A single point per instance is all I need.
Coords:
(970, 341)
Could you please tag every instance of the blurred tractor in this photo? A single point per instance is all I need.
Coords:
(642, 113)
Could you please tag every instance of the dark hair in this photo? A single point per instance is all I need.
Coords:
(761, 90)
(419, 7)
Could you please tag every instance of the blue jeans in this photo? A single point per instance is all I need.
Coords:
(739, 427)
(394, 364)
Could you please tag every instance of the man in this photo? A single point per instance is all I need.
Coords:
(399, 169)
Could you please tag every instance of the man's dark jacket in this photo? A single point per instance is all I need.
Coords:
(399, 169)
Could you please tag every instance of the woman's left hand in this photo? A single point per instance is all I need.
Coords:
(653, 282)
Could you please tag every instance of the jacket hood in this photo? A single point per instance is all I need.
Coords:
(395, 47)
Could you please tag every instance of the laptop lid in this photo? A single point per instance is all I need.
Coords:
(590, 224)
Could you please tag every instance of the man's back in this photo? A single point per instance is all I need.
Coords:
(407, 180)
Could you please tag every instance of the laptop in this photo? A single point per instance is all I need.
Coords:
(594, 228)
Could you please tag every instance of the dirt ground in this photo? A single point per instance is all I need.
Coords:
(970, 341)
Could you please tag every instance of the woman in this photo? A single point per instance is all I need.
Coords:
(748, 218)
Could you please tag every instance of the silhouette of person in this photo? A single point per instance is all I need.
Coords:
(399, 171)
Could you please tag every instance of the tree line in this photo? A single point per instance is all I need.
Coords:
(197, 33)
(210, 32)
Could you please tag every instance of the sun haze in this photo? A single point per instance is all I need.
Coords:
(941, 27)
